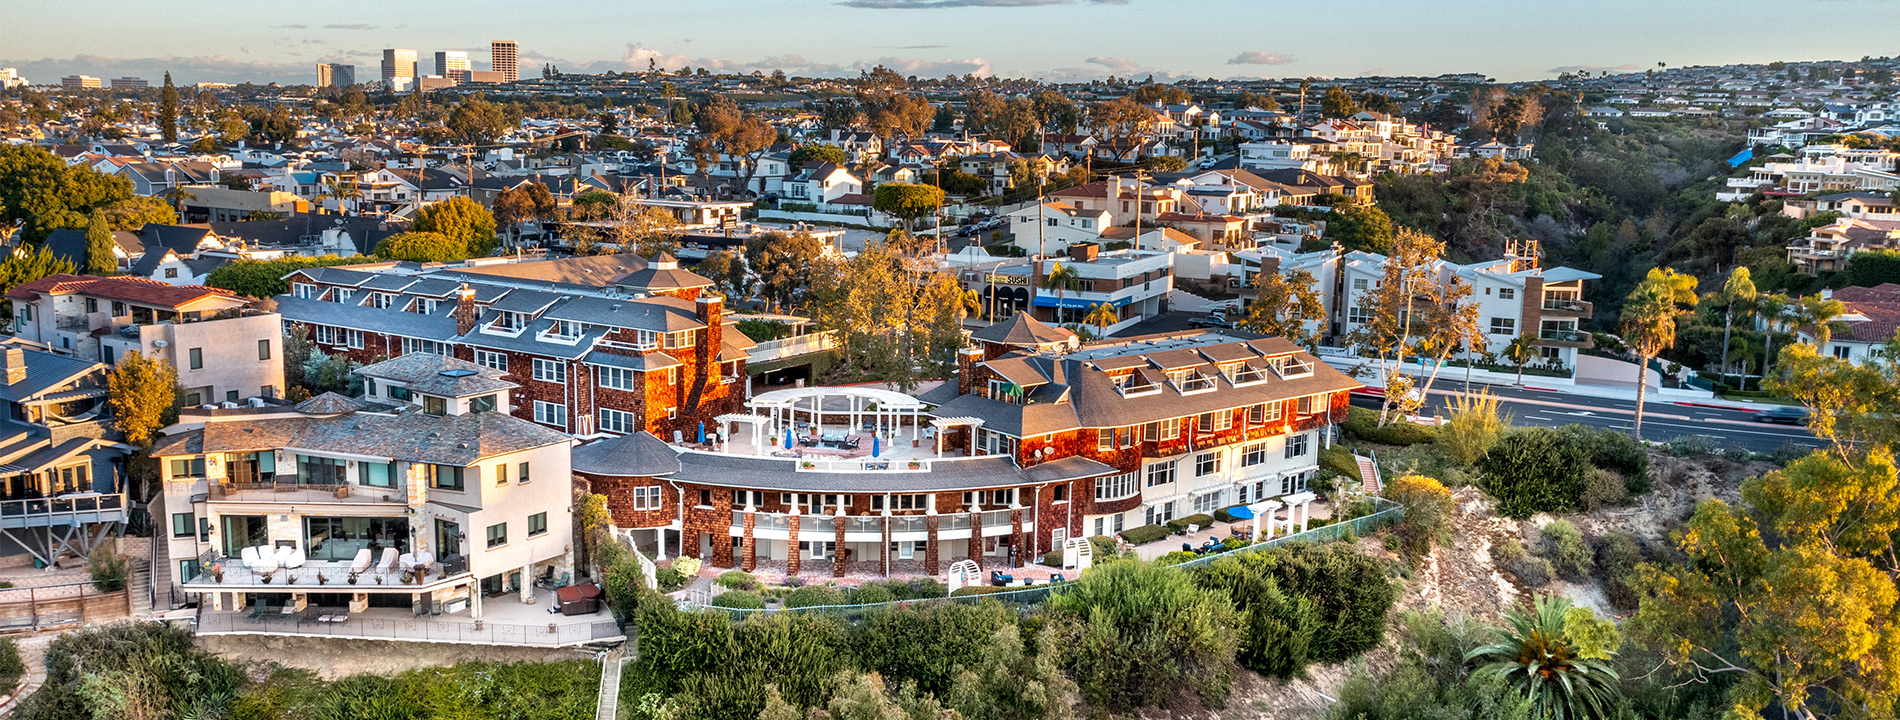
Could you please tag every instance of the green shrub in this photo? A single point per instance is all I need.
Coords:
(1339, 459)
(1143, 535)
(813, 596)
(1535, 470)
(1104, 546)
(1511, 557)
(12, 668)
(1568, 552)
(150, 666)
(968, 590)
(871, 595)
(737, 580)
(1304, 602)
(1363, 423)
(1221, 515)
(1177, 557)
(1429, 510)
(109, 571)
(1603, 488)
(1616, 451)
(1053, 558)
(1617, 556)
(1137, 635)
(669, 579)
(928, 644)
(739, 599)
(1474, 425)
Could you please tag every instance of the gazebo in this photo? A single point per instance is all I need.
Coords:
(849, 409)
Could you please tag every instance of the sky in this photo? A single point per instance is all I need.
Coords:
(228, 41)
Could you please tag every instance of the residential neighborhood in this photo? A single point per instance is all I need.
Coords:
(1272, 381)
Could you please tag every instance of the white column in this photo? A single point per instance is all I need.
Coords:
(1306, 514)
(475, 600)
(527, 584)
(659, 542)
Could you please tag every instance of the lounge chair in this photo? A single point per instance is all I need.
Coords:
(361, 562)
(266, 560)
(249, 556)
(290, 558)
(1185, 547)
(389, 560)
(405, 561)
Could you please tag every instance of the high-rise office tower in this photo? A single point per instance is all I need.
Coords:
(335, 75)
(452, 65)
(506, 58)
(399, 64)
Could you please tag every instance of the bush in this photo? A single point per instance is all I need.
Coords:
(928, 645)
(1568, 552)
(108, 571)
(1613, 450)
(1104, 546)
(1428, 513)
(969, 590)
(1473, 427)
(1603, 488)
(739, 599)
(669, 579)
(1304, 603)
(737, 580)
(1363, 423)
(154, 667)
(12, 668)
(688, 566)
(1142, 535)
(1535, 470)
(871, 595)
(1511, 557)
(1221, 515)
(813, 596)
(1177, 557)
(1053, 558)
(1200, 520)
(1137, 634)
(1617, 556)
(1338, 459)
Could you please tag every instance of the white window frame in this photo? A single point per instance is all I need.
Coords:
(548, 413)
(615, 378)
(647, 498)
(619, 421)
(492, 360)
(550, 371)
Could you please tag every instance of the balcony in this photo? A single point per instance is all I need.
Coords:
(1556, 337)
(77, 509)
(289, 489)
(1568, 308)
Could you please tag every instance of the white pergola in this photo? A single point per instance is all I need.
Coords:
(1299, 512)
(887, 410)
(761, 428)
(945, 423)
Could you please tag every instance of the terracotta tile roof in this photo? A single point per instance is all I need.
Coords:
(1880, 304)
(129, 289)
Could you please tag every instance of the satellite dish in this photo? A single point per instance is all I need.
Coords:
(160, 343)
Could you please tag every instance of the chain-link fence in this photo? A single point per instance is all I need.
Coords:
(1389, 512)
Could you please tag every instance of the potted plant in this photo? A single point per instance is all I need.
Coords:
(353, 575)
(379, 579)
(290, 579)
(323, 579)
(267, 577)
(217, 572)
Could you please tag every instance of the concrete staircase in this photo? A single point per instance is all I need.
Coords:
(138, 580)
(607, 706)
(1369, 475)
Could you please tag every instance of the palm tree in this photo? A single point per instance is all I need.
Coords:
(1061, 280)
(1772, 309)
(1739, 288)
(1101, 316)
(1821, 314)
(1534, 655)
(1649, 324)
(1521, 350)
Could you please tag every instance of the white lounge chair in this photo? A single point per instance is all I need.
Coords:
(361, 562)
(266, 560)
(290, 558)
(389, 560)
(406, 561)
(249, 556)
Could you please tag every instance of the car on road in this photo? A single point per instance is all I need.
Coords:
(1786, 414)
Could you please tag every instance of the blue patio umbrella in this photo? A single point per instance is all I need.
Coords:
(788, 438)
(702, 432)
(1241, 511)
(876, 445)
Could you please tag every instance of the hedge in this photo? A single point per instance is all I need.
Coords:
(1363, 423)
(739, 599)
(1202, 520)
(1144, 534)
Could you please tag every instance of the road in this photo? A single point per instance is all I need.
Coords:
(1662, 422)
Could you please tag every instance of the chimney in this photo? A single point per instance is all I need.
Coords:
(465, 311)
(14, 362)
(966, 369)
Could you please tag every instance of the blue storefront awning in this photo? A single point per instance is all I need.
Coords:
(1049, 301)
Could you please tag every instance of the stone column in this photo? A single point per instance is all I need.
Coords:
(527, 584)
(751, 561)
(838, 550)
(884, 545)
(474, 590)
(930, 544)
(1016, 536)
(359, 602)
(791, 545)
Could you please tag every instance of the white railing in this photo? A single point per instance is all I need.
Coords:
(65, 510)
(792, 346)
(864, 465)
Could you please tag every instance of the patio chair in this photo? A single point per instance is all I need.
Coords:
(249, 556)
(290, 558)
(1186, 547)
(266, 562)
(361, 562)
(406, 561)
(389, 560)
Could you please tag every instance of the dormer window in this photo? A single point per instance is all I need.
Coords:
(508, 322)
(303, 290)
(381, 300)
(563, 331)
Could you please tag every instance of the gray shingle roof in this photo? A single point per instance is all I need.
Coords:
(763, 473)
(410, 436)
(658, 314)
(44, 372)
(439, 326)
(636, 455)
(440, 375)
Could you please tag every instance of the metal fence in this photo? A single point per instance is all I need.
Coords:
(417, 630)
(1389, 512)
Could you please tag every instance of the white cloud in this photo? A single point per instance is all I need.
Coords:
(1115, 64)
(1259, 57)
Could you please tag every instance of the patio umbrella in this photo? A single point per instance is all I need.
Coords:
(1241, 511)
(875, 445)
(702, 433)
(788, 438)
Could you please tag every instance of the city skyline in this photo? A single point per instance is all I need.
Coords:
(1008, 38)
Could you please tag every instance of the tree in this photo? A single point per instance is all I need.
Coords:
(1286, 306)
(1360, 227)
(48, 194)
(1739, 288)
(1136, 634)
(100, 259)
(463, 221)
(897, 318)
(168, 110)
(24, 264)
(815, 152)
(1540, 653)
(265, 278)
(906, 201)
(1820, 315)
(1851, 405)
(136, 212)
(1101, 316)
(1119, 123)
(1062, 280)
(1520, 351)
(784, 265)
(1337, 103)
(1773, 310)
(477, 121)
(1409, 281)
(1012, 683)
(524, 203)
(1649, 324)
(421, 247)
(142, 393)
(1846, 505)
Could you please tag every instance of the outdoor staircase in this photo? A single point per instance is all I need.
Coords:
(1369, 475)
(608, 705)
(138, 578)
